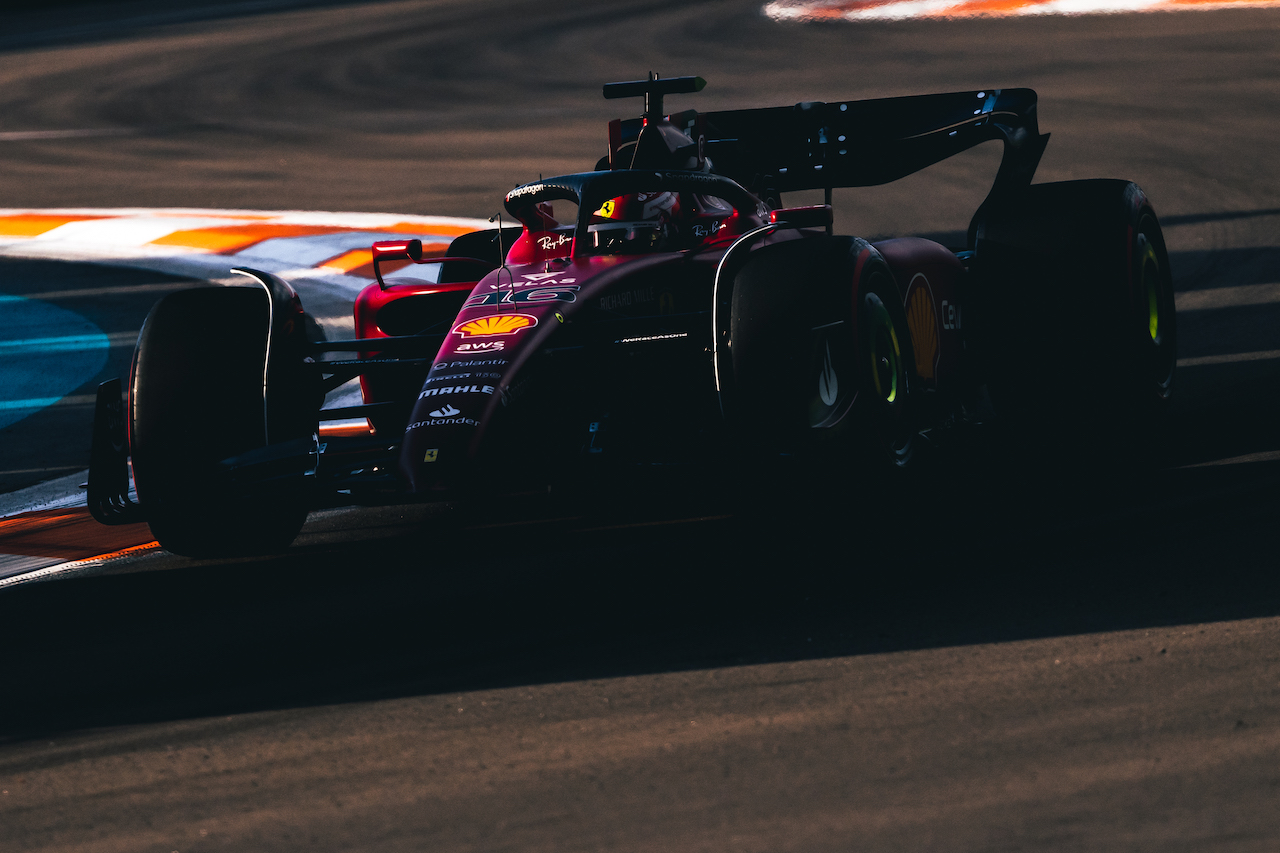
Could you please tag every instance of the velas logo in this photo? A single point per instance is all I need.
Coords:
(534, 279)
(501, 325)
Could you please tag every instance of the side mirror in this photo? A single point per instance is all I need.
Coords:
(816, 216)
(394, 250)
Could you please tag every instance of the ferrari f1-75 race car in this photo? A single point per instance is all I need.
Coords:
(664, 308)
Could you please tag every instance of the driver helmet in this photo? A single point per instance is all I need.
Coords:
(634, 223)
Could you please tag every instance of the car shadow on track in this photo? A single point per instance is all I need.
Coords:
(388, 602)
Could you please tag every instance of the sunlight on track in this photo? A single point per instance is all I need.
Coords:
(856, 10)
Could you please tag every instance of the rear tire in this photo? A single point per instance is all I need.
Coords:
(822, 355)
(196, 398)
(1075, 312)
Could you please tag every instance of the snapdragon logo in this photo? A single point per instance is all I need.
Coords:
(527, 189)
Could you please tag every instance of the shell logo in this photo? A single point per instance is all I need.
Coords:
(924, 326)
(502, 324)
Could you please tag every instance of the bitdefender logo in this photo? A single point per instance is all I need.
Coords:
(445, 411)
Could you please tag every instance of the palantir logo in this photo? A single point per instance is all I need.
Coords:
(445, 411)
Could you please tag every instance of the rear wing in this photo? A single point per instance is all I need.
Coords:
(860, 143)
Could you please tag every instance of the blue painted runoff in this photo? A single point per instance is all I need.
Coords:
(45, 353)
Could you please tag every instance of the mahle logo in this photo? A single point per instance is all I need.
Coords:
(502, 324)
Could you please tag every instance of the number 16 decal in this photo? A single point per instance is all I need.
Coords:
(560, 294)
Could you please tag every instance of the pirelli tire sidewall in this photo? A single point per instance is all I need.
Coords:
(1074, 317)
(811, 322)
(196, 399)
(880, 429)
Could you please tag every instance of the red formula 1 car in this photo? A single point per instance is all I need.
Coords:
(663, 308)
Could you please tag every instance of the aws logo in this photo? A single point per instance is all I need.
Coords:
(501, 325)
(479, 347)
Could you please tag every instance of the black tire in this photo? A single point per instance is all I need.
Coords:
(196, 399)
(1076, 327)
(822, 356)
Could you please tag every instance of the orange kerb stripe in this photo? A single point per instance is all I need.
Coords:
(988, 7)
(35, 521)
(357, 258)
(996, 8)
(229, 239)
(419, 228)
(66, 534)
(146, 546)
(35, 224)
(349, 260)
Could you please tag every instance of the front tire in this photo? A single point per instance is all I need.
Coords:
(196, 398)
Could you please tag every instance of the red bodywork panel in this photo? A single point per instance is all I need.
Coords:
(509, 317)
(928, 274)
(373, 299)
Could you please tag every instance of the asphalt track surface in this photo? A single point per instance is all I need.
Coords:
(1006, 657)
